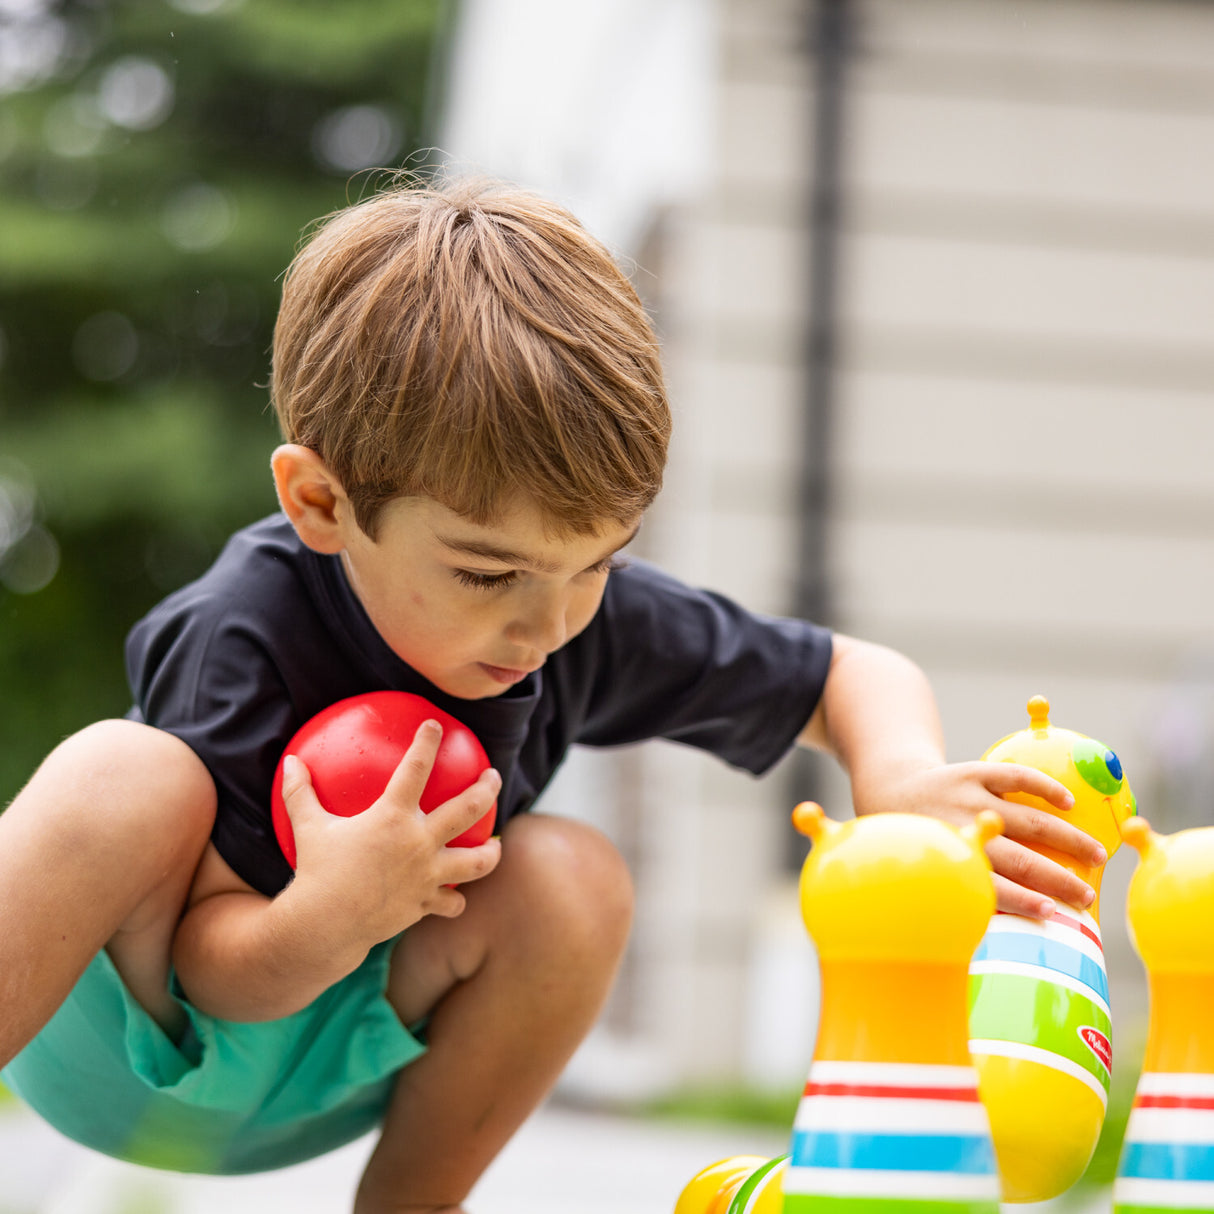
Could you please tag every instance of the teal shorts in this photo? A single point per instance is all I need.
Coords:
(227, 1098)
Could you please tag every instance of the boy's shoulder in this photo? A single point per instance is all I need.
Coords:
(653, 616)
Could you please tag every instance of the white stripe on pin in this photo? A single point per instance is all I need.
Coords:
(893, 1074)
(856, 1182)
(1171, 1125)
(1176, 1083)
(871, 1114)
(1182, 1194)
(1041, 973)
(1032, 1053)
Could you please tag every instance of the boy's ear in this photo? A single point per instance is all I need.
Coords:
(311, 497)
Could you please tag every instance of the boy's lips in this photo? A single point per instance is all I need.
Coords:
(506, 674)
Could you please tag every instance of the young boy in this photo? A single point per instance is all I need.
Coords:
(475, 422)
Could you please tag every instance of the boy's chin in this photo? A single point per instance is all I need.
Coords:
(476, 684)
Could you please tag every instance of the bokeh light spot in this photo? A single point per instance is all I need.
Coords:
(198, 217)
(73, 126)
(135, 93)
(105, 347)
(356, 137)
(31, 564)
(203, 8)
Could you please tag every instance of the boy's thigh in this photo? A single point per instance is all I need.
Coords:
(97, 850)
(561, 894)
(180, 808)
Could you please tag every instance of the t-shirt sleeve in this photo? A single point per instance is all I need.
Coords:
(211, 684)
(695, 667)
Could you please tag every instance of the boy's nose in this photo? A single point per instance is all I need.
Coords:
(542, 625)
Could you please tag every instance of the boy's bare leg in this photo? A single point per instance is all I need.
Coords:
(515, 983)
(97, 850)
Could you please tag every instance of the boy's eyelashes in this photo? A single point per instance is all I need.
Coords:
(485, 581)
(497, 581)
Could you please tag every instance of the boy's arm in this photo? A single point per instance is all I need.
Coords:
(242, 956)
(878, 716)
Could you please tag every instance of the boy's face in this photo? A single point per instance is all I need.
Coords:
(474, 607)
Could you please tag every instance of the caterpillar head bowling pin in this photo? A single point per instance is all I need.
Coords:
(1040, 1022)
(1089, 770)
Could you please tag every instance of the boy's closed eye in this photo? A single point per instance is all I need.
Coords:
(499, 581)
(485, 581)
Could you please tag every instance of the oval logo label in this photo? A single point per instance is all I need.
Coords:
(1099, 1044)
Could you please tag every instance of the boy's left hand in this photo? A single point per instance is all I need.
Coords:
(1026, 883)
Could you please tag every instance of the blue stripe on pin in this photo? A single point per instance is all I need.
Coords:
(1168, 1160)
(972, 1155)
(1051, 954)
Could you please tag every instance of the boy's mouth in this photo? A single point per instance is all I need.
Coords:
(505, 675)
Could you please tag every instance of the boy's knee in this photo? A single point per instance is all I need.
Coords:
(142, 781)
(575, 879)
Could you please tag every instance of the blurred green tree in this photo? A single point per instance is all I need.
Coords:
(158, 163)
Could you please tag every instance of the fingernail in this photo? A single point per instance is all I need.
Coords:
(1048, 909)
(495, 776)
(290, 766)
(1101, 855)
(432, 727)
(1089, 896)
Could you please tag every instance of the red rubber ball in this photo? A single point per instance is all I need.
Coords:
(352, 748)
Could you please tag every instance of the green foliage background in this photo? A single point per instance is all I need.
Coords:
(158, 163)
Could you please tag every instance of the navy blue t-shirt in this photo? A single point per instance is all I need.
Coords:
(235, 662)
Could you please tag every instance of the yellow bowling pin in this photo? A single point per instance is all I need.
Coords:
(1040, 1023)
(742, 1184)
(1167, 1158)
(890, 1119)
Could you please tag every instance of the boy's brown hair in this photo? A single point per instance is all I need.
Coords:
(471, 344)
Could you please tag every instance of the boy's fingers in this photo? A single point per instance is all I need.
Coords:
(1029, 825)
(1016, 900)
(464, 864)
(1037, 875)
(447, 904)
(409, 779)
(1015, 777)
(453, 817)
(298, 795)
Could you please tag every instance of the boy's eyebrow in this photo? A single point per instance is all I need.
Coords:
(509, 556)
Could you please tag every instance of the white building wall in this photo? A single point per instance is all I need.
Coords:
(1025, 421)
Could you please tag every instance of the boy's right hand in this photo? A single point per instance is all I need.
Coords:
(374, 875)
(1026, 881)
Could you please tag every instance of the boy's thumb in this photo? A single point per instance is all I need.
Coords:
(298, 795)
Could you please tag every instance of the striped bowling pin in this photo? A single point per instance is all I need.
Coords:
(1167, 1158)
(1040, 1023)
(890, 1120)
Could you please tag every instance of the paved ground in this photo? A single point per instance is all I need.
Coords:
(563, 1162)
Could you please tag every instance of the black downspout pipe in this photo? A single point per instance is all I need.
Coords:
(831, 37)
(830, 44)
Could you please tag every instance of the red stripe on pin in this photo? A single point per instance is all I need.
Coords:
(1077, 925)
(1174, 1102)
(1067, 921)
(873, 1091)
